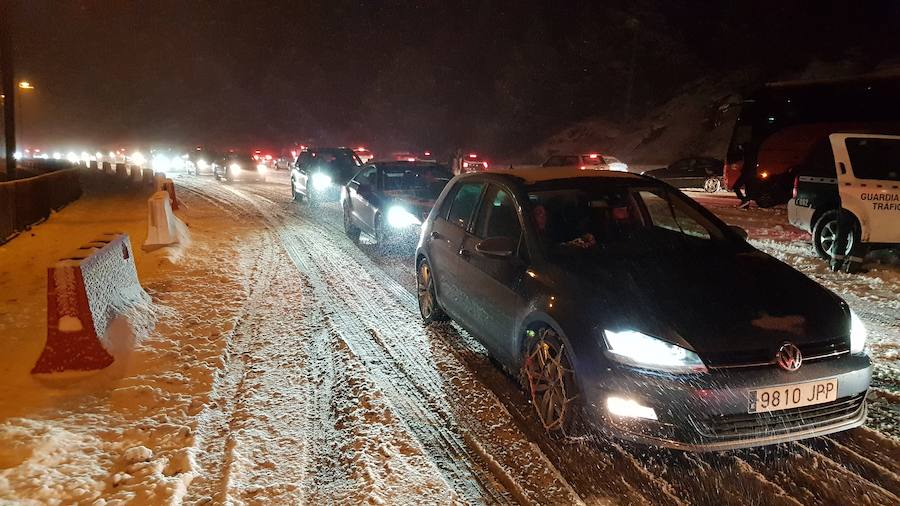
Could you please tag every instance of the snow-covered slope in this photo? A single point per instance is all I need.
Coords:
(697, 121)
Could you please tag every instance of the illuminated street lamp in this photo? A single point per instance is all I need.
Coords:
(22, 86)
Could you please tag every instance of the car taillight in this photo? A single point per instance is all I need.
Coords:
(796, 184)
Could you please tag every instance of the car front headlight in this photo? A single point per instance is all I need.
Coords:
(398, 217)
(321, 181)
(201, 164)
(262, 168)
(640, 350)
(235, 167)
(858, 334)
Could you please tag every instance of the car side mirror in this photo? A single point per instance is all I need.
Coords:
(739, 231)
(497, 247)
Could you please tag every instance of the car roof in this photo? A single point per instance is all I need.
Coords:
(326, 149)
(539, 174)
(407, 163)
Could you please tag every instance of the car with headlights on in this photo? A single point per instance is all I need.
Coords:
(389, 200)
(319, 174)
(201, 162)
(239, 167)
(602, 290)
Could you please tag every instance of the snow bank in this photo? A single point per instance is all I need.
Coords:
(124, 434)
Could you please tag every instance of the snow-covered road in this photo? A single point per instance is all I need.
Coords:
(470, 421)
(290, 366)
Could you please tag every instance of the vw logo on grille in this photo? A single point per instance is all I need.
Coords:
(789, 357)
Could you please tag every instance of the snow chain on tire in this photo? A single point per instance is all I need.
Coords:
(542, 356)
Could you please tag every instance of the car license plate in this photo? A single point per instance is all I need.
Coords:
(797, 395)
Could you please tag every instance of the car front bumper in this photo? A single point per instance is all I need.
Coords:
(331, 193)
(246, 176)
(403, 235)
(709, 412)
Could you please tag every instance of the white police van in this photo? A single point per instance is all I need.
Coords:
(861, 174)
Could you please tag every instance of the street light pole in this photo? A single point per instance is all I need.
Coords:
(21, 88)
(9, 89)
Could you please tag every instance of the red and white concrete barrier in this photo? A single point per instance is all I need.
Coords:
(85, 292)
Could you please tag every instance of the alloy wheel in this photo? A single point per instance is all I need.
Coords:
(425, 291)
(551, 382)
(712, 185)
(828, 238)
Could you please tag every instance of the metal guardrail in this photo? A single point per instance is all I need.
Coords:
(26, 202)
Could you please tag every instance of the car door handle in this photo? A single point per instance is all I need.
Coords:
(464, 253)
(843, 168)
(435, 235)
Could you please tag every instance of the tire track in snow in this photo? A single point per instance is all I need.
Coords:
(214, 442)
(374, 338)
(582, 463)
(633, 481)
(452, 461)
(867, 461)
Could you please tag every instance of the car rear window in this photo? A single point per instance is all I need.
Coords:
(874, 158)
(400, 178)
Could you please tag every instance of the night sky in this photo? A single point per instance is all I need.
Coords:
(398, 75)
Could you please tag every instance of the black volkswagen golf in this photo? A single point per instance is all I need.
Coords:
(623, 304)
(389, 200)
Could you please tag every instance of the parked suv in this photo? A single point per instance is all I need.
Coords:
(859, 173)
(319, 174)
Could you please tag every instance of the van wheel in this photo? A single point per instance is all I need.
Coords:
(712, 185)
(548, 375)
(825, 234)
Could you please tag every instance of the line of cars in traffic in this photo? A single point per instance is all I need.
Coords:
(593, 289)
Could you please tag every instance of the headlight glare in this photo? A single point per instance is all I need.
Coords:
(858, 334)
(321, 181)
(398, 217)
(235, 167)
(640, 350)
(261, 168)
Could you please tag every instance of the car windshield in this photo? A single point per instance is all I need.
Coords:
(599, 217)
(336, 158)
(242, 159)
(427, 181)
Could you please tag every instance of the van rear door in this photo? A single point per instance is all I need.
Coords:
(868, 174)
